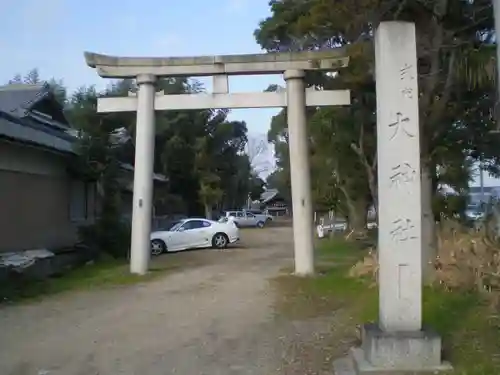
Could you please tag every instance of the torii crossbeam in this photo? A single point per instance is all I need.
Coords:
(296, 97)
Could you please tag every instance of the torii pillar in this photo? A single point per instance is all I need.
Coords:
(292, 65)
(143, 174)
(303, 238)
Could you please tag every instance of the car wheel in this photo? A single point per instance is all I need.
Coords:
(158, 247)
(220, 241)
(260, 224)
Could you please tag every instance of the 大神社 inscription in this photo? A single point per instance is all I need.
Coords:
(402, 174)
(400, 126)
(403, 230)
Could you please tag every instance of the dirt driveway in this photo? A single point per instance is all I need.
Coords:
(214, 317)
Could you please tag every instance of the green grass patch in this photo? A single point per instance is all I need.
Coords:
(339, 249)
(469, 328)
(331, 289)
(102, 274)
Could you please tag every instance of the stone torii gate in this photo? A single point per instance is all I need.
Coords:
(296, 98)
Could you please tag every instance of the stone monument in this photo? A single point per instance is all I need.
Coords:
(398, 344)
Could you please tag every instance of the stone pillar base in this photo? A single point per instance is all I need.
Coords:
(399, 353)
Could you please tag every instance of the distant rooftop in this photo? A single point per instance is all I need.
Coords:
(31, 114)
(19, 99)
(269, 194)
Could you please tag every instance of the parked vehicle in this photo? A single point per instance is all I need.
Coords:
(475, 213)
(194, 233)
(248, 219)
(262, 213)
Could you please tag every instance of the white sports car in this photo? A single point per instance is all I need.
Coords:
(194, 233)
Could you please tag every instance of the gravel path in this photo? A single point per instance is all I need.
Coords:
(212, 319)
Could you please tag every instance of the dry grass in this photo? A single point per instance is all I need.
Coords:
(468, 260)
(459, 305)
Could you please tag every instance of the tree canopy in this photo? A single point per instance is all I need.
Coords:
(201, 152)
(456, 82)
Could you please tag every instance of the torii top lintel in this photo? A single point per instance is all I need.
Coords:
(264, 63)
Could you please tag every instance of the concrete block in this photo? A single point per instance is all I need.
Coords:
(344, 366)
(362, 367)
(401, 349)
(394, 353)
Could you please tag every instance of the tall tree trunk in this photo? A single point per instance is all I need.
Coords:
(357, 215)
(370, 167)
(208, 211)
(429, 239)
(372, 184)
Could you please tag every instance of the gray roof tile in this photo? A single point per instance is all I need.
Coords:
(18, 123)
(268, 195)
(16, 99)
(27, 134)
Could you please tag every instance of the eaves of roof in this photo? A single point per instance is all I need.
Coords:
(24, 131)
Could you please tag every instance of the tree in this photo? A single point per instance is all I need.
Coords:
(33, 77)
(456, 71)
(336, 165)
(209, 190)
(237, 182)
(221, 143)
(200, 151)
(59, 90)
(98, 161)
(278, 136)
(257, 185)
(16, 80)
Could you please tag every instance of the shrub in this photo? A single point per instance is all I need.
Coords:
(111, 238)
(467, 259)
